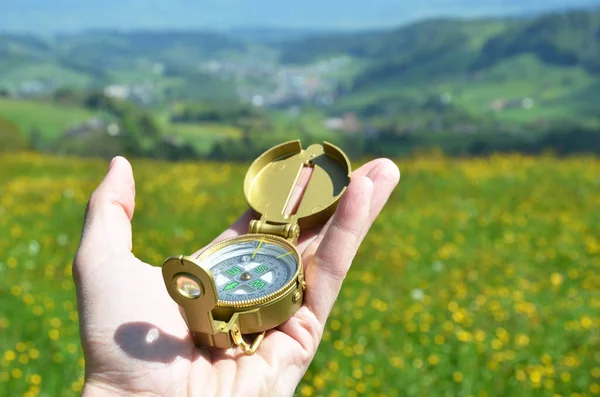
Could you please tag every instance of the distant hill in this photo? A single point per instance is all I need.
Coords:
(554, 59)
(93, 51)
(276, 35)
(115, 49)
(100, 57)
(566, 39)
(446, 46)
(551, 60)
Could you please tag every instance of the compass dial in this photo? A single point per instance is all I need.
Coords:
(251, 269)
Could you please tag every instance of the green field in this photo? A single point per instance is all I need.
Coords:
(50, 119)
(48, 72)
(202, 135)
(481, 277)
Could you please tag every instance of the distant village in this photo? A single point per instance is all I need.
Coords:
(268, 85)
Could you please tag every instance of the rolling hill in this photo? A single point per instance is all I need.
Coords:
(551, 59)
(167, 60)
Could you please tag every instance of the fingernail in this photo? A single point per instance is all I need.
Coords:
(112, 162)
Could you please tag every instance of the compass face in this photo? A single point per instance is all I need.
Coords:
(251, 269)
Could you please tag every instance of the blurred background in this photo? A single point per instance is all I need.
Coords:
(480, 278)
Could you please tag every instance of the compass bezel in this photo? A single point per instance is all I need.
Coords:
(267, 238)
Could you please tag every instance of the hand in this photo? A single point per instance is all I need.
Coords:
(134, 339)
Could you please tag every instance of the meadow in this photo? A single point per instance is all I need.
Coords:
(480, 278)
(51, 119)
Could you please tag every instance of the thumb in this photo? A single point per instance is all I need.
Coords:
(107, 224)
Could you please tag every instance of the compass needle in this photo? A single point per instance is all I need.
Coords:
(257, 248)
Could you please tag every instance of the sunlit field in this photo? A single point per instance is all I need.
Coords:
(480, 278)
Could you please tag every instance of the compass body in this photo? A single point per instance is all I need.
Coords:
(254, 282)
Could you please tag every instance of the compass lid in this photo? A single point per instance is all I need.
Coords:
(288, 184)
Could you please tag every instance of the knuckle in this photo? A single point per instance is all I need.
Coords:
(332, 265)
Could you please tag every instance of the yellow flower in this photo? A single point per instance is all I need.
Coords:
(35, 379)
(357, 373)
(522, 340)
(16, 290)
(335, 325)
(573, 273)
(359, 349)
(458, 316)
(338, 344)
(319, 382)
(16, 373)
(433, 359)
(586, 322)
(535, 377)
(307, 391)
(497, 344)
(464, 336)
(397, 362)
(502, 334)
(457, 377)
(556, 279)
(9, 355)
(360, 387)
(53, 334)
(479, 335)
(448, 326)
(546, 359)
(333, 366)
(34, 354)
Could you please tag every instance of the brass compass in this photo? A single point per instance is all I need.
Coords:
(254, 282)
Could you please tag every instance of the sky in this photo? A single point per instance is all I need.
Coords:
(50, 16)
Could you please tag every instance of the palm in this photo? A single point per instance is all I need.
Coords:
(136, 341)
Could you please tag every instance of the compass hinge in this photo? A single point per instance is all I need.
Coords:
(289, 231)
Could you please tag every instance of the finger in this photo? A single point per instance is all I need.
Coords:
(385, 176)
(328, 268)
(107, 224)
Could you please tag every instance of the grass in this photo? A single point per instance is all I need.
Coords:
(202, 135)
(480, 278)
(50, 119)
(46, 71)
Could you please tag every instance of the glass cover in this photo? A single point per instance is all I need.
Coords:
(251, 269)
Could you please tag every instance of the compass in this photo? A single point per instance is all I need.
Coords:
(251, 283)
